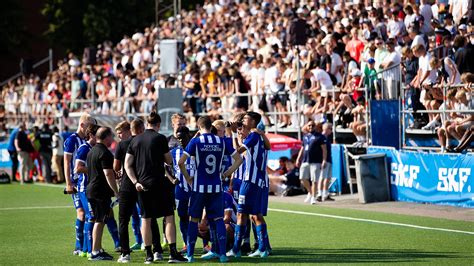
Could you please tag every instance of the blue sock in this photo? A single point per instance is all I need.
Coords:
(136, 223)
(213, 236)
(221, 236)
(183, 227)
(88, 235)
(266, 239)
(261, 244)
(79, 234)
(255, 235)
(238, 236)
(85, 244)
(113, 230)
(192, 236)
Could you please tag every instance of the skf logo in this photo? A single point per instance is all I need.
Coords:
(404, 175)
(453, 179)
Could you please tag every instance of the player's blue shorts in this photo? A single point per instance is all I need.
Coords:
(182, 201)
(250, 199)
(236, 183)
(77, 201)
(264, 202)
(86, 206)
(213, 202)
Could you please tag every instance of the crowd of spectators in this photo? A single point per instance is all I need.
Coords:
(262, 49)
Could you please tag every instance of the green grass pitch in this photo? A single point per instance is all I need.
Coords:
(46, 236)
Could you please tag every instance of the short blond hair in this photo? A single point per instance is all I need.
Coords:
(418, 48)
(218, 124)
(123, 126)
(434, 62)
(460, 94)
(176, 116)
(87, 118)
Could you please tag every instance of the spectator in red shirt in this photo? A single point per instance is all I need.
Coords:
(355, 46)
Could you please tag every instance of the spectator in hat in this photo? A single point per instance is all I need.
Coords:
(370, 78)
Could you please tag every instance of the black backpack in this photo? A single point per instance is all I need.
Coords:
(4, 178)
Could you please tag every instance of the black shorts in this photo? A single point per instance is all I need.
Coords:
(156, 203)
(100, 208)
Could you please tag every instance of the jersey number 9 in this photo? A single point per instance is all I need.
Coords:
(211, 162)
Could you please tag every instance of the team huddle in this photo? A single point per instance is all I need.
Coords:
(216, 180)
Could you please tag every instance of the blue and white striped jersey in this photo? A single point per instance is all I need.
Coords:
(71, 144)
(81, 156)
(176, 153)
(255, 160)
(227, 160)
(239, 173)
(208, 150)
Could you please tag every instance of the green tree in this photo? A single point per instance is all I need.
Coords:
(74, 24)
(12, 27)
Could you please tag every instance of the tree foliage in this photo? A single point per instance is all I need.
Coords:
(74, 24)
(12, 27)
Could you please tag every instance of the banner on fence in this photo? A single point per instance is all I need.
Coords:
(5, 162)
(430, 177)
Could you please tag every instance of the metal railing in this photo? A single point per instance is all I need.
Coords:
(443, 111)
(48, 59)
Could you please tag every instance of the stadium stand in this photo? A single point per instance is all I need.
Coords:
(293, 62)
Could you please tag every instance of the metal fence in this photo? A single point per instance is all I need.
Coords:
(48, 59)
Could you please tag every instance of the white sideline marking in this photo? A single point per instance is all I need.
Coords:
(49, 185)
(293, 212)
(372, 221)
(35, 208)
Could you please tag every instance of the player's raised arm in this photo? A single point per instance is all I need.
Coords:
(266, 141)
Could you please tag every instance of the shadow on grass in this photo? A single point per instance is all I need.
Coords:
(309, 255)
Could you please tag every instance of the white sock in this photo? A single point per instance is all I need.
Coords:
(362, 138)
(95, 252)
(358, 138)
(325, 193)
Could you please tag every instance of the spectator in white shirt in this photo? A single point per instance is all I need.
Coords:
(394, 27)
(391, 75)
(425, 79)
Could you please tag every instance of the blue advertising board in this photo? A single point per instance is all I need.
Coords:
(430, 177)
(5, 161)
(338, 165)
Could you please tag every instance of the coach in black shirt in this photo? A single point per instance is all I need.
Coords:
(46, 151)
(144, 164)
(101, 187)
(128, 196)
